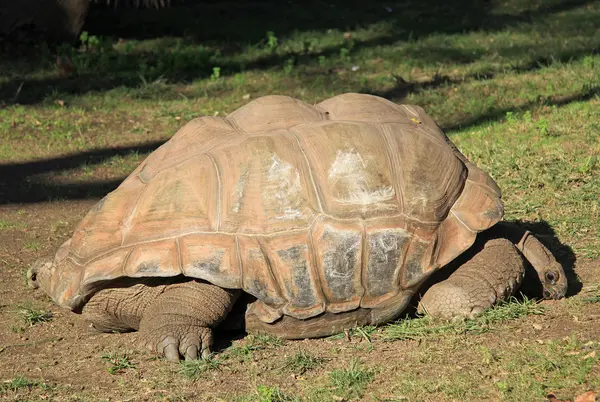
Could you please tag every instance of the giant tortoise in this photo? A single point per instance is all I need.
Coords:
(329, 216)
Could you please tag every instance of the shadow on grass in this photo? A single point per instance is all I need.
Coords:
(219, 34)
(27, 182)
(403, 88)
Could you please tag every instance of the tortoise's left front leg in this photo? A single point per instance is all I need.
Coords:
(489, 277)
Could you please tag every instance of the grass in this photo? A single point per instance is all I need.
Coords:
(265, 393)
(545, 368)
(7, 225)
(427, 326)
(303, 361)
(32, 315)
(252, 343)
(32, 245)
(21, 383)
(591, 294)
(194, 369)
(350, 383)
(117, 362)
(515, 84)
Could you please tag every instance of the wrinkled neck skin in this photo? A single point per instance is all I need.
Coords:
(549, 271)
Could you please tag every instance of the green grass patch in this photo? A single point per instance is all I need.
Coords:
(265, 393)
(32, 315)
(591, 293)
(542, 368)
(7, 225)
(194, 369)
(303, 361)
(117, 362)
(250, 344)
(350, 382)
(21, 383)
(427, 326)
(32, 245)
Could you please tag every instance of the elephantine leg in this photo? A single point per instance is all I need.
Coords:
(489, 277)
(550, 272)
(174, 319)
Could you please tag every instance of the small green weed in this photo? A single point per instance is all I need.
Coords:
(288, 66)
(251, 344)
(417, 328)
(193, 369)
(19, 383)
(591, 293)
(272, 40)
(266, 393)
(6, 225)
(366, 332)
(117, 362)
(302, 362)
(32, 245)
(351, 382)
(33, 316)
(216, 74)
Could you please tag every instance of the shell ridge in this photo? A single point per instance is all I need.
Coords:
(278, 290)
(234, 125)
(318, 195)
(125, 260)
(238, 253)
(126, 223)
(462, 222)
(397, 171)
(219, 196)
(364, 261)
(318, 285)
(178, 254)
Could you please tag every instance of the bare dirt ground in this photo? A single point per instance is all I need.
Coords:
(62, 359)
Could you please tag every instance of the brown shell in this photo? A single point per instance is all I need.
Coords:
(310, 209)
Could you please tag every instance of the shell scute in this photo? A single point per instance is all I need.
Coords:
(386, 244)
(274, 112)
(351, 169)
(338, 252)
(211, 257)
(292, 263)
(267, 186)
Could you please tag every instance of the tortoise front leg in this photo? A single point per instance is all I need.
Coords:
(174, 319)
(489, 277)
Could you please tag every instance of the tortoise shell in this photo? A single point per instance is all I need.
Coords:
(308, 208)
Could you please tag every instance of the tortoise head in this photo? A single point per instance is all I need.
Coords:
(39, 274)
(553, 280)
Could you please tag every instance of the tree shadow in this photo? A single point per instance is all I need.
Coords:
(218, 33)
(27, 182)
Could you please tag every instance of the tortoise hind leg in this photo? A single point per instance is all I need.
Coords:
(181, 319)
(173, 319)
(489, 277)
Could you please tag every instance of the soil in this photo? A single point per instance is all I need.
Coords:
(63, 357)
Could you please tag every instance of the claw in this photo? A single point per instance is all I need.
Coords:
(191, 353)
(171, 352)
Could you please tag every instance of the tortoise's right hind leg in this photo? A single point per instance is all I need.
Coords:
(489, 277)
(181, 319)
(173, 318)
